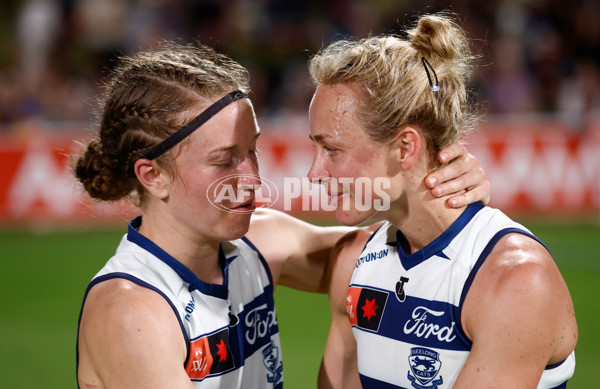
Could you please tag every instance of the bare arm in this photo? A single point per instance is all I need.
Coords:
(519, 315)
(296, 251)
(462, 177)
(339, 367)
(130, 338)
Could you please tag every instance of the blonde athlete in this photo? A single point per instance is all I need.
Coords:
(437, 297)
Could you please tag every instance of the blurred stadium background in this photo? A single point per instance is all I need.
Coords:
(538, 80)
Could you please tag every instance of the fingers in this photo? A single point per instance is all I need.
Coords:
(455, 150)
(464, 189)
(462, 178)
(479, 193)
(472, 178)
(455, 169)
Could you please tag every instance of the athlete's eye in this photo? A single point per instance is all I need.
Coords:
(330, 150)
(231, 162)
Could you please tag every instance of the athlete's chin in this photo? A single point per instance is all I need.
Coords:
(237, 226)
(353, 217)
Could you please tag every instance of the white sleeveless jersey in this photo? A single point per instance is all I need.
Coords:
(231, 329)
(405, 309)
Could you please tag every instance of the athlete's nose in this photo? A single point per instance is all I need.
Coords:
(249, 177)
(318, 172)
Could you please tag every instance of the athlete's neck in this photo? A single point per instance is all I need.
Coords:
(200, 255)
(422, 218)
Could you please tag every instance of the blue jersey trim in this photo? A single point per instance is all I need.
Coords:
(555, 365)
(367, 242)
(561, 386)
(373, 235)
(139, 282)
(372, 287)
(440, 243)
(372, 383)
(484, 254)
(262, 259)
(215, 290)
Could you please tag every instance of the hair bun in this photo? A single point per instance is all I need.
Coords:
(100, 175)
(439, 36)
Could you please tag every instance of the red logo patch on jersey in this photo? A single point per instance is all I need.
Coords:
(369, 309)
(222, 353)
(365, 307)
(209, 355)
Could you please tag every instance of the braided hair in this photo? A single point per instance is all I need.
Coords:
(148, 96)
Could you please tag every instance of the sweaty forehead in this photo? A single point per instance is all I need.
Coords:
(333, 112)
(339, 99)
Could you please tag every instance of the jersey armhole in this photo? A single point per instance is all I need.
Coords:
(141, 283)
(482, 257)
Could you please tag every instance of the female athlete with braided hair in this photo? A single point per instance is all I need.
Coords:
(187, 300)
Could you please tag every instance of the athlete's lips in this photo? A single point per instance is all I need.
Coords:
(337, 194)
(336, 198)
(248, 205)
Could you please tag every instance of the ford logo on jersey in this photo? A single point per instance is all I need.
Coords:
(425, 364)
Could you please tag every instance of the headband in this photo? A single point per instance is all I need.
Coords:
(199, 120)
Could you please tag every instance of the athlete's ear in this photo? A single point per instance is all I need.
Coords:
(407, 146)
(153, 178)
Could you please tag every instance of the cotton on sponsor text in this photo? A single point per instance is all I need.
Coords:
(372, 257)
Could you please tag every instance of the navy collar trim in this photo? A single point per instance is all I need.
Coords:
(215, 290)
(438, 244)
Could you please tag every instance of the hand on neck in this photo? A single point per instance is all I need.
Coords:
(421, 217)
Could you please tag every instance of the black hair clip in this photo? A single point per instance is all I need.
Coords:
(436, 87)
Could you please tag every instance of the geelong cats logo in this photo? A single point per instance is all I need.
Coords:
(271, 361)
(424, 364)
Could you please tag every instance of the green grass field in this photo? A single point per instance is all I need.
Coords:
(43, 277)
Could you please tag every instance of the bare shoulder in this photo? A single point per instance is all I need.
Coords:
(123, 322)
(348, 248)
(519, 264)
(519, 289)
(124, 313)
(122, 302)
